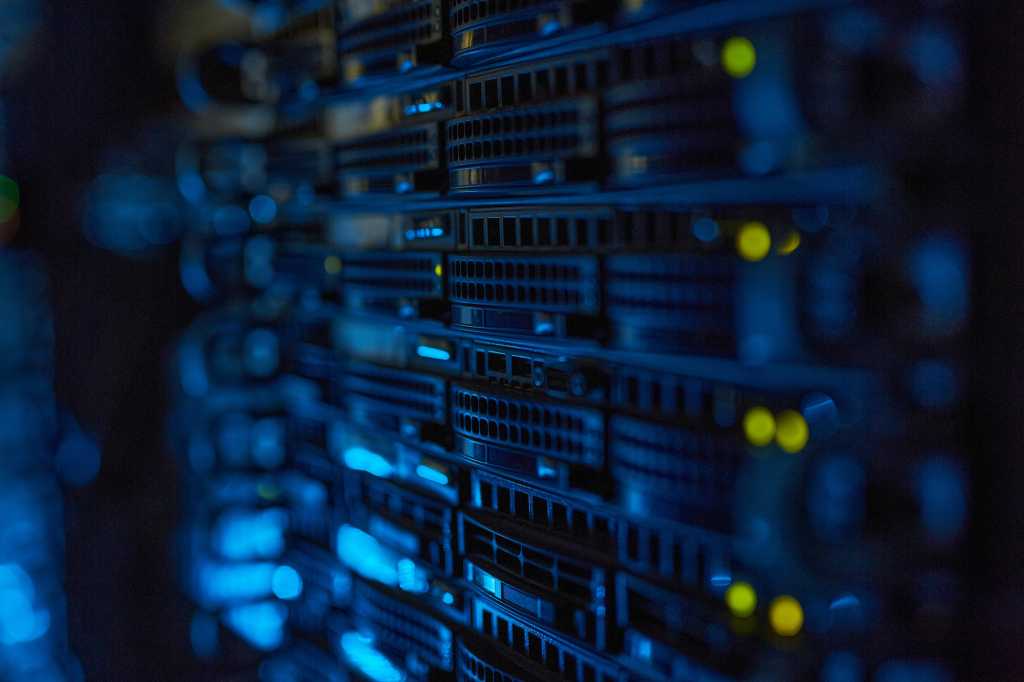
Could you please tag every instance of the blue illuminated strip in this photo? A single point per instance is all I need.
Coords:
(361, 459)
(432, 353)
(432, 475)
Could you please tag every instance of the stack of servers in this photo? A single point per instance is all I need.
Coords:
(576, 340)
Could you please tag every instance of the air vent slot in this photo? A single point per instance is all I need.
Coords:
(665, 470)
(684, 302)
(568, 433)
(567, 285)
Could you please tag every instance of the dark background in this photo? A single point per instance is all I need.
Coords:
(89, 83)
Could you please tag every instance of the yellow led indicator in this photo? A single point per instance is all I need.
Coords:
(438, 270)
(759, 426)
(739, 57)
(332, 265)
(786, 616)
(790, 243)
(753, 241)
(741, 599)
(791, 431)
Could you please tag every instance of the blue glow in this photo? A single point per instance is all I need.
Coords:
(403, 187)
(203, 633)
(543, 177)
(545, 469)
(363, 554)
(721, 580)
(361, 654)
(20, 621)
(263, 209)
(411, 578)
(268, 448)
(934, 384)
(251, 535)
(706, 230)
(77, 459)
(448, 598)
(549, 27)
(286, 583)
(433, 354)
(432, 475)
(261, 624)
(941, 490)
(223, 583)
(361, 459)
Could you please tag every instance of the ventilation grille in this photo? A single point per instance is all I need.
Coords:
(551, 572)
(518, 86)
(544, 229)
(563, 659)
(691, 297)
(402, 151)
(393, 275)
(478, 24)
(393, 392)
(687, 470)
(547, 512)
(304, 161)
(402, 628)
(671, 395)
(687, 557)
(558, 130)
(473, 667)
(651, 609)
(566, 285)
(572, 434)
(412, 510)
(410, 23)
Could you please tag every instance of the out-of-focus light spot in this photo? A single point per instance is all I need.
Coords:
(789, 243)
(543, 177)
(438, 270)
(786, 616)
(251, 535)
(791, 432)
(706, 230)
(835, 500)
(10, 198)
(431, 474)
(431, 353)
(842, 666)
(741, 599)
(225, 583)
(361, 459)
(410, 578)
(362, 655)
(203, 632)
(447, 598)
(939, 272)
(77, 459)
(759, 426)
(753, 241)
(739, 57)
(941, 491)
(935, 56)
(332, 265)
(263, 209)
(20, 621)
(363, 554)
(268, 448)
(934, 384)
(262, 624)
(286, 583)
(261, 352)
